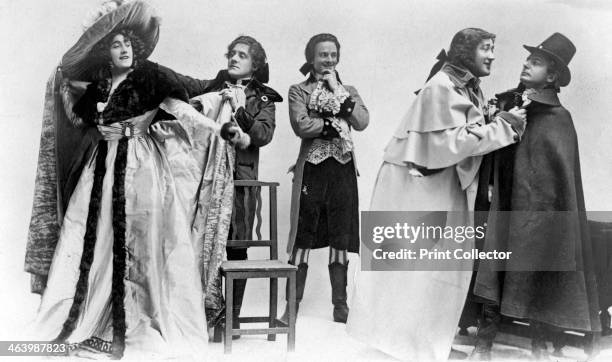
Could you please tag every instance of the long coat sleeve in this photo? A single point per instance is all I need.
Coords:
(308, 125)
(443, 128)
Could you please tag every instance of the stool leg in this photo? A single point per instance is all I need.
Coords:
(273, 306)
(229, 308)
(292, 312)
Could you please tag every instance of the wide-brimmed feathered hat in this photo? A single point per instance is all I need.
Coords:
(81, 61)
(559, 48)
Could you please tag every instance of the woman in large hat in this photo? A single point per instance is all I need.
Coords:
(110, 241)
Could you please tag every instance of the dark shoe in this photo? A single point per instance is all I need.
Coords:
(539, 333)
(539, 350)
(481, 352)
(480, 356)
(216, 325)
(488, 325)
(605, 323)
(238, 295)
(337, 277)
(456, 354)
(484, 342)
(300, 284)
(558, 342)
(219, 329)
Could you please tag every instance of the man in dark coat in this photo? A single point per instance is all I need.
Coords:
(549, 280)
(247, 66)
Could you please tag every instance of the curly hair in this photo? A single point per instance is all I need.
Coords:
(101, 49)
(309, 52)
(256, 51)
(463, 46)
(101, 53)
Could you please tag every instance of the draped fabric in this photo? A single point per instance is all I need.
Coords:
(144, 232)
(62, 148)
(44, 224)
(214, 201)
(163, 299)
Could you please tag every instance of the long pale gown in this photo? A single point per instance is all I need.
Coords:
(164, 175)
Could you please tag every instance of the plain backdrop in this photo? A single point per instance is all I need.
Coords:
(387, 49)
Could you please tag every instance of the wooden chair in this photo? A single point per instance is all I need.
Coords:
(272, 269)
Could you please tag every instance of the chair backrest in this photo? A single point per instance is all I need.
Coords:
(254, 186)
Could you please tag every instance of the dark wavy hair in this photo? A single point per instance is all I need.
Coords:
(256, 51)
(463, 46)
(102, 49)
(309, 52)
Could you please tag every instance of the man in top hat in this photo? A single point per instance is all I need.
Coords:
(549, 280)
(432, 163)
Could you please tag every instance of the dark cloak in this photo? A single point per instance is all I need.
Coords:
(550, 277)
(63, 148)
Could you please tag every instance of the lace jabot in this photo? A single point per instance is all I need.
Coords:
(324, 101)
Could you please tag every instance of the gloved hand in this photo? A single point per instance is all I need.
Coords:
(234, 134)
(227, 131)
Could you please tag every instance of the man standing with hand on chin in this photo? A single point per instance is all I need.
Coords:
(324, 200)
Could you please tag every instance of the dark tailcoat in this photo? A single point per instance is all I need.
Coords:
(257, 119)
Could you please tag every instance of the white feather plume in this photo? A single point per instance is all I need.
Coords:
(106, 7)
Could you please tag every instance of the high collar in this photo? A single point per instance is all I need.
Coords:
(461, 76)
(253, 86)
(547, 96)
(223, 76)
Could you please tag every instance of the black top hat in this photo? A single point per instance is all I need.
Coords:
(559, 48)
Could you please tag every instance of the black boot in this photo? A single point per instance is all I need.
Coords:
(558, 342)
(300, 283)
(488, 325)
(605, 323)
(238, 295)
(539, 349)
(337, 277)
